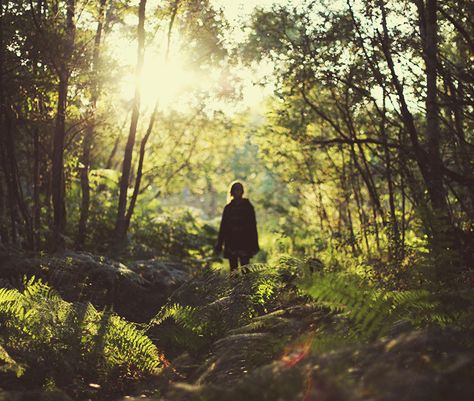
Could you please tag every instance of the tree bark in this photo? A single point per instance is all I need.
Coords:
(394, 241)
(89, 134)
(138, 178)
(36, 191)
(121, 219)
(4, 194)
(363, 220)
(57, 170)
(4, 237)
(435, 177)
(10, 167)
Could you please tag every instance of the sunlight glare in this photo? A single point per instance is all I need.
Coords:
(165, 81)
(161, 80)
(180, 85)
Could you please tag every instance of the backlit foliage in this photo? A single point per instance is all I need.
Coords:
(58, 338)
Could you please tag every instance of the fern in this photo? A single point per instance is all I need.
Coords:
(45, 332)
(212, 304)
(372, 311)
(184, 316)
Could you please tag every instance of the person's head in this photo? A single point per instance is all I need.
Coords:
(237, 190)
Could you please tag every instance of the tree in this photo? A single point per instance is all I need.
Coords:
(89, 133)
(121, 220)
(63, 69)
(338, 71)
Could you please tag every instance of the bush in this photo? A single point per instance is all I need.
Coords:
(175, 232)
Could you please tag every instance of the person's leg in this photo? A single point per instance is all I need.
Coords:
(233, 263)
(244, 260)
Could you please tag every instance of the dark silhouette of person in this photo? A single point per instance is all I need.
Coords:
(238, 229)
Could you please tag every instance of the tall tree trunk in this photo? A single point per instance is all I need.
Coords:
(4, 194)
(57, 172)
(138, 178)
(394, 240)
(429, 161)
(444, 240)
(4, 237)
(10, 198)
(36, 191)
(121, 220)
(16, 199)
(352, 239)
(457, 105)
(4, 133)
(88, 136)
(437, 192)
(57, 168)
(360, 210)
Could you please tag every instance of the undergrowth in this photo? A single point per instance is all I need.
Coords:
(212, 304)
(48, 340)
(367, 312)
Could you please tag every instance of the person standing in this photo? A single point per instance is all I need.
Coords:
(238, 229)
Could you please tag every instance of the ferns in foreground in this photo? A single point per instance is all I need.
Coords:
(51, 335)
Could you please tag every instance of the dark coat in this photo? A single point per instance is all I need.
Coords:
(238, 230)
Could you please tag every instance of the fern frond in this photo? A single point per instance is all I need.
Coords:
(373, 311)
(40, 326)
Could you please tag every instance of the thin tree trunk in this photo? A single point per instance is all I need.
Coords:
(138, 178)
(57, 168)
(360, 210)
(4, 194)
(370, 185)
(457, 108)
(10, 198)
(15, 185)
(136, 189)
(57, 172)
(438, 195)
(89, 134)
(121, 220)
(110, 160)
(408, 120)
(365, 173)
(402, 218)
(394, 241)
(444, 235)
(353, 241)
(4, 237)
(36, 191)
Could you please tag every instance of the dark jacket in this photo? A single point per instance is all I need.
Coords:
(238, 230)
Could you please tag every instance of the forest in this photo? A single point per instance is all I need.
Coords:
(123, 124)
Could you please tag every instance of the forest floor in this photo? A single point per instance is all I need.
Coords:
(252, 336)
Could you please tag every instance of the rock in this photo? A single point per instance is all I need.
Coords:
(136, 291)
(159, 272)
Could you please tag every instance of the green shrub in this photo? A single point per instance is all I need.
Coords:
(175, 232)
